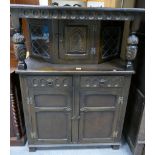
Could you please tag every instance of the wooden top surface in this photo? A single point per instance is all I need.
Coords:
(38, 66)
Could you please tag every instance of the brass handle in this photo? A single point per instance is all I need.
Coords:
(84, 109)
(102, 81)
(68, 109)
(75, 117)
(93, 51)
(50, 83)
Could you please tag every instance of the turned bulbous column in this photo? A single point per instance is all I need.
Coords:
(20, 50)
(132, 49)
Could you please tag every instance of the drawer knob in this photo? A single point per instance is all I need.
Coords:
(84, 109)
(49, 82)
(75, 117)
(93, 51)
(102, 81)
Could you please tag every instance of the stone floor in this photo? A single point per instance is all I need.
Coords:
(124, 150)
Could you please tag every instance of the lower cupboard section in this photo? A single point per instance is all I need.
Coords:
(65, 111)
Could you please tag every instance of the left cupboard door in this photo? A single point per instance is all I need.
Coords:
(50, 112)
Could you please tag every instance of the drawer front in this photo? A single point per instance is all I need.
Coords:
(50, 81)
(101, 81)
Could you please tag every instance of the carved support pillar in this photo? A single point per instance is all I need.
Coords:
(19, 45)
(132, 46)
(132, 49)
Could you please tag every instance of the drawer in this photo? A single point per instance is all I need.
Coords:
(49, 81)
(102, 81)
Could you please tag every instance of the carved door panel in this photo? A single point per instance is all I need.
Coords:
(78, 40)
(51, 112)
(99, 115)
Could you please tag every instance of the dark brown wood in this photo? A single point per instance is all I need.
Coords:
(45, 101)
(50, 104)
(17, 127)
(115, 147)
(36, 66)
(78, 41)
(74, 13)
(134, 128)
(32, 2)
(71, 96)
(13, 60)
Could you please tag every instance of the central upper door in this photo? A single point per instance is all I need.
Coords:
(78, 41)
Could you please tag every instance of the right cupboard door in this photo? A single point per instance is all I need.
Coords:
(99, 109)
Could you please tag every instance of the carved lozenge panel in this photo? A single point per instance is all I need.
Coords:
(102, 81)
(50, 81)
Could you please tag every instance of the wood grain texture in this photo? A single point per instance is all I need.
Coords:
(88, 124)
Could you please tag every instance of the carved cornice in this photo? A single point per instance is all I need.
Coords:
(74, 13)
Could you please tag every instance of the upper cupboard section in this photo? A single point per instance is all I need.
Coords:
(73, 41)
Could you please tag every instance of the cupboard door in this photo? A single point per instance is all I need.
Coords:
(51, 111)
(98, 115)
(43, 39)
(78, 40)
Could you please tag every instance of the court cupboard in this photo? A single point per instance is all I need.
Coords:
(76, 80)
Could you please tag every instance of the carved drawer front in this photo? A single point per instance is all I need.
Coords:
(50, 81)
(101, 81)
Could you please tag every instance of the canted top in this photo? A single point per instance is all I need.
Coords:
(74, 13)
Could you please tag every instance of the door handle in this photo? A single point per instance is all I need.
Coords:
(68, 109)
(84, 109)
(75, 117)
(102, 82)
(93, 51)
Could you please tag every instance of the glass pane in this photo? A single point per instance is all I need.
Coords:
(111, 34)
(40, 38)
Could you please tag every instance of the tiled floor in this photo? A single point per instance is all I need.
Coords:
(124, 150)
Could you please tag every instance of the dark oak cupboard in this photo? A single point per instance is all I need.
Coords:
(75, 82)
(74, 109)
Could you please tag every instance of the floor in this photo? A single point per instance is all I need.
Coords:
(124, 150)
